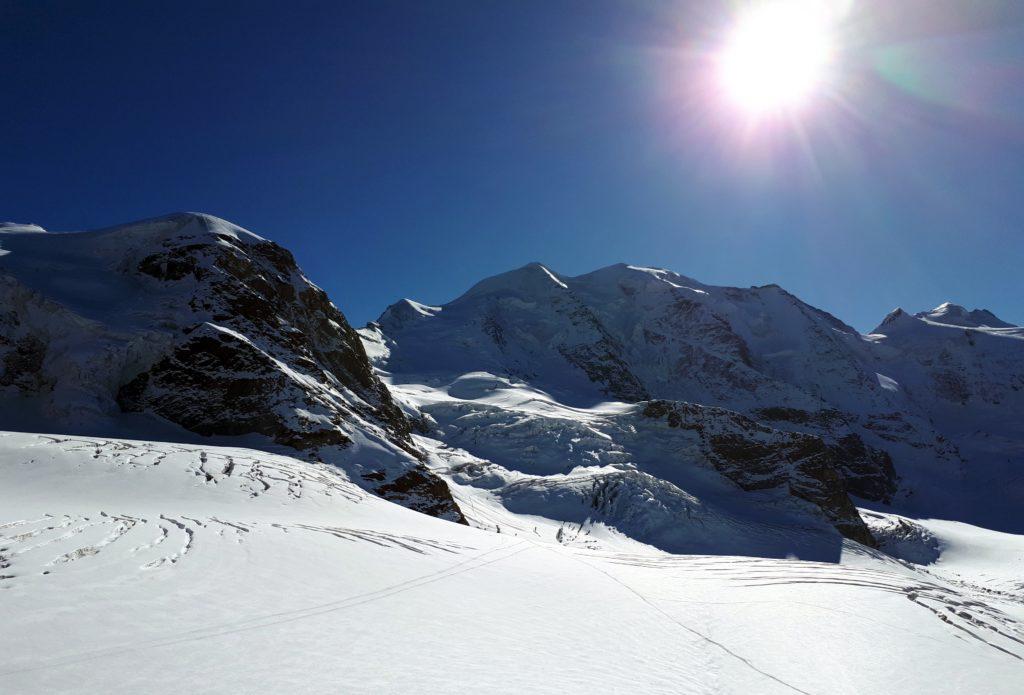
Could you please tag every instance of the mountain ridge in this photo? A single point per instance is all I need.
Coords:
(759, 351)
(214, 328)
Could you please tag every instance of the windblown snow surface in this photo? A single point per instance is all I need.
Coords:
(134, 566)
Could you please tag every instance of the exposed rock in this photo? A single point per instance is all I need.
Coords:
(757, 457)
(867, 472)
(216, 382)
(23, 362)
(419, 489)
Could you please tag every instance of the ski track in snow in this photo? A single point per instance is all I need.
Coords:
(160, 531)
(274, 619)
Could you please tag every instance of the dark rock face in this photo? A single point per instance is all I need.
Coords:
(599, 362)
(22, 350)
(951, 386)
(419, 489)
(867, 472)
(282, 373)
(796, 416)
(280, 327)
(757, 457)
(22, 362)
(597, 353)
(218, 383)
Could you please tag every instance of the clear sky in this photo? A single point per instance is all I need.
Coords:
(410, 149)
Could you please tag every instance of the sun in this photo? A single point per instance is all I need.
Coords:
(777, 55)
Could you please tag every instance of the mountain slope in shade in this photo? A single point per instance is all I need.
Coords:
(969, 379)
(207, 326)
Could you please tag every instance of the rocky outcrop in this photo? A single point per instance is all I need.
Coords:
(867, 471)
(22, 360)
(269, 350)
(757, 457)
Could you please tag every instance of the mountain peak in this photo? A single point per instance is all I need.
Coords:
(952, 314)
(528, 279)
(20, 228)
(619, 273)
(897, 314)
(184, 225)
(405, 311)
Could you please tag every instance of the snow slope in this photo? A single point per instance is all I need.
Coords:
(138, 566)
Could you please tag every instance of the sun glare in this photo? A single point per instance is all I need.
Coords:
(776, 55)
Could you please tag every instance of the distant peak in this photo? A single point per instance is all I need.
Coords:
(404, 312)
(413, 307)
(528, 279)
(19, 228)
(894, 317)
(946, 308)
(202, 219)
(628, 268)
(614, 275)
(181, 227)
(647, 269)
(554, 278)
(951, 314)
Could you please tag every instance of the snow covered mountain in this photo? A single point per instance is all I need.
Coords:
(965, 371)
(920, 414)
(206, 325)
(950, 314)
(661, 485)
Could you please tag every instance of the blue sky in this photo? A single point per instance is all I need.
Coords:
(410, 149)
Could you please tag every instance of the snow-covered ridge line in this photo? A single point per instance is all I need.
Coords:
(19, 228)
(226, 336)
(942, 402)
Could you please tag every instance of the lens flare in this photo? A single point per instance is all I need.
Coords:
(777, 55)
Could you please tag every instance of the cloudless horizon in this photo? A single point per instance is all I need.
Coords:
(410, 149)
